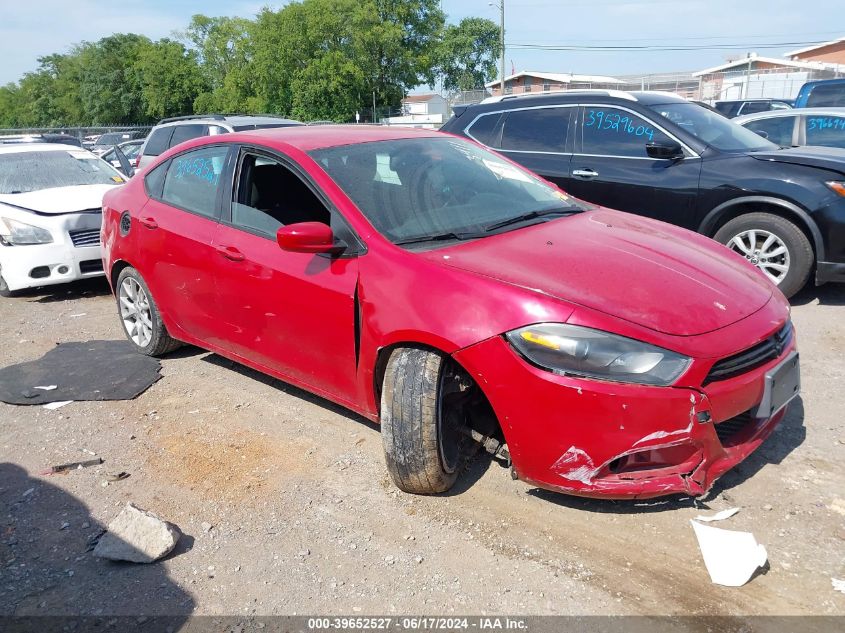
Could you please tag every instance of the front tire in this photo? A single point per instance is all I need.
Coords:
(775, 245)
(423, 448)
(140, 317)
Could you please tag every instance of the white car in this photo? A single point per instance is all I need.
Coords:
(50, 214)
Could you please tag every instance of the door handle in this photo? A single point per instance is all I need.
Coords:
(585, 173)
(231, 253)
(150, 223)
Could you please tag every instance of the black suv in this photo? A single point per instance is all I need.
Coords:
(658, 155)
(738, 107)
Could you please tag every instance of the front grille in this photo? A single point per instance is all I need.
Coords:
(91, 266)
(753, 357)
(85, 237)
(731, 430)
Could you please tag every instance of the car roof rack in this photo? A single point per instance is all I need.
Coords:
(221, 117)
(620, 94)
(188, 117)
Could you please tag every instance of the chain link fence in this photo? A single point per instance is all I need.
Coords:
(78, 132)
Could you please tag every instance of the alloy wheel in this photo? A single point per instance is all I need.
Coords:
(765, 250)
(135, 312)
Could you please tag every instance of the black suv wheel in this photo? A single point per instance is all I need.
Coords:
(773, 244)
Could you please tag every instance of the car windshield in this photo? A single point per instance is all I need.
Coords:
(439, 188)
(713, 129)
(32, 171)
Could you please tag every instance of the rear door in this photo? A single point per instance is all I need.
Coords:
(175, 232)
(539, 139)
(824, 130)
(610, 166)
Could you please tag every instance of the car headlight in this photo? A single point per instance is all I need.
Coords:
(580, 351)
(17, 233)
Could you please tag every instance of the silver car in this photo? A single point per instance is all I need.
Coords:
(170, 132)
(799, 127)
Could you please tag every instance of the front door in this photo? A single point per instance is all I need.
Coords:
(290, 312)
(611, 167)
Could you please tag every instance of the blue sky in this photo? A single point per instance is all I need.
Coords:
(40, 27)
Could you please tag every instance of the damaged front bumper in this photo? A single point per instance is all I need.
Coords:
(613, 440)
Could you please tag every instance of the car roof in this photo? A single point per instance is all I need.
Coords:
(771, 114)
(754, 99)
(307, 138)
(18, 148)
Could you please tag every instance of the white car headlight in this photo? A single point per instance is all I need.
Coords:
(18, 233)
(580, 351)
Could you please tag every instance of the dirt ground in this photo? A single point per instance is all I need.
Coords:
(286, 506)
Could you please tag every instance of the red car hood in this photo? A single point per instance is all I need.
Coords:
(646, 272)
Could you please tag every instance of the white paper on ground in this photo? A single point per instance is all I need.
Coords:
(56, 405)
(731, 557)
(46, 387)
(719, 516)
(838, 585)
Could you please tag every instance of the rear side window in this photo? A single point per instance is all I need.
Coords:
(483, 128)
(192, 181)
(183, 133)
(777, 129)
(159, 141)
(607, 131)
(828, 131)
(831, 95)
(537, 130)
(154, 180)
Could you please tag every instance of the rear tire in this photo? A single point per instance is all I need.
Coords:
(423, 450)
(775, 245)
(140, 317)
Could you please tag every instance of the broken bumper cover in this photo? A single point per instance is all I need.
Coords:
(613, 440)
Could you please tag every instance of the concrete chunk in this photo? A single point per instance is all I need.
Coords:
(137, 536)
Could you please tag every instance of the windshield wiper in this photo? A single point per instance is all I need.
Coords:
(439, 237)
(532, 215)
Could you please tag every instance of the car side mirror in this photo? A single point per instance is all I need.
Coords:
(762, 133)
(664, 150)
(309, 237)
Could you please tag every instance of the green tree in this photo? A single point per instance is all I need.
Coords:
(170, 79)
(110, 82)
(10, 105)
(224, 49)
(467, 53)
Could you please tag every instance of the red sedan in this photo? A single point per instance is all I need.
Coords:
(459, 300)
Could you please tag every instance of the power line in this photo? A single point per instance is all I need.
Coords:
(706, 37)
(653, 48)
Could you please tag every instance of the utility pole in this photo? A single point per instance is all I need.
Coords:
(501, 5)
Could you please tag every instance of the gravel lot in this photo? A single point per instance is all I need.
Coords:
(286, 506)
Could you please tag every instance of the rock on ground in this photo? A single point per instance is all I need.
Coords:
(138, 536)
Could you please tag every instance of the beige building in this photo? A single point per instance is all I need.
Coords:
(531, 81)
